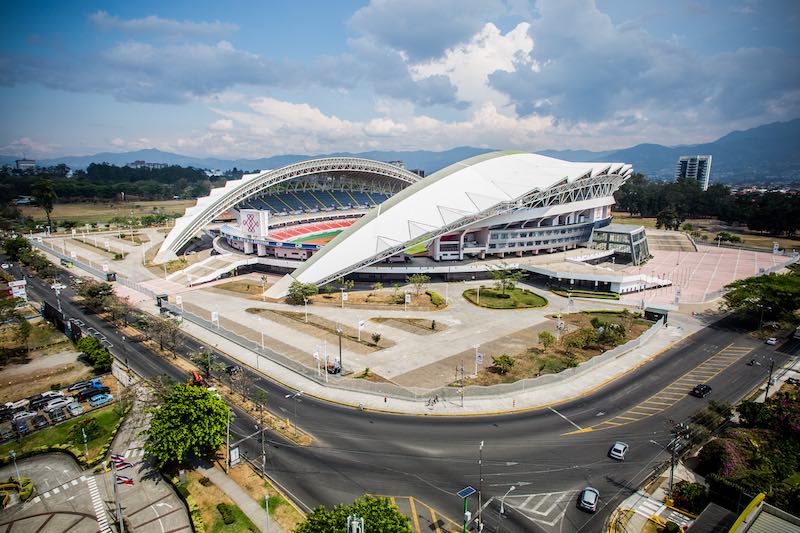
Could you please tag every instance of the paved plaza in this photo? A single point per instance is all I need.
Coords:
(699, 276)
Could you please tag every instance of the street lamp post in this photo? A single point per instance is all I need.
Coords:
(305, 307)
(502, 507)
(480, 486)
(13, 455)
(339, 333)
(296, 398)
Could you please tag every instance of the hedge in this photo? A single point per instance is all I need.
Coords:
(225, 509)
(436, 298)
(586, 294)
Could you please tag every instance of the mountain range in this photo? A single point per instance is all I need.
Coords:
(768, 153)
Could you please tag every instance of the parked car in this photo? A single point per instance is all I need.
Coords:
(100, 399)
(40, 421)
(588, 499)
(618, 451)
(52, 394)
(772, 341)
(5, 414)
(57, 403)
(23, 415)
(85, 394)
(701, 391)
(21, 426)
(20, 404)
(75, 409)
(58, 415)
(84, 384)
(7, 434)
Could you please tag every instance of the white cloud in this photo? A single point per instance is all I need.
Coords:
(223, 124)
(27, 147)
(154, 24)
(469, 65)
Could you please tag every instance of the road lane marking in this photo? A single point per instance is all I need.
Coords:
(565, 418)
(705, 371)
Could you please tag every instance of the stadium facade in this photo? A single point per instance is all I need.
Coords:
(334, 217)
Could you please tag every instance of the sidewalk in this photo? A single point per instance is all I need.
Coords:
(248, 505)
(537, 397)
(635, 511)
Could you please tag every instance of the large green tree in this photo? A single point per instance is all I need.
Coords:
(505, 279)
(96, 294)
(418, 281)
(189, 425)
(380, 516)
(45, 196)
(16, 247)
(298, 292)
(773, 295)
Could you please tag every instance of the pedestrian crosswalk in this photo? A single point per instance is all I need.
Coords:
(546, 508)
(678, 518)
(57, 490)
(649, 507)
(99, 507)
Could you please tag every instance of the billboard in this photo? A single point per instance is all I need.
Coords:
(254, 223)
(17, 289)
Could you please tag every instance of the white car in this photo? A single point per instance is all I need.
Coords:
(772, 341)
(52, 394)
(618, 451)
(23, 415)
(21, 404)
(58, 402)
(75, 409)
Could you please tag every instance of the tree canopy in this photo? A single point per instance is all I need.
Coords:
(380, 516)
(45, 196)
(190, 424)
(505, 279)
(298, 292)
(776, 295)
(96, 353)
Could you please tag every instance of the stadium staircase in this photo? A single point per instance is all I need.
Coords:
(210, 269)
(670, 241)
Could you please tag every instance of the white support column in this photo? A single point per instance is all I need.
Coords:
(248, 247)
(261, 250)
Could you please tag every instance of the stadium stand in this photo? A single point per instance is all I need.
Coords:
(313, 201)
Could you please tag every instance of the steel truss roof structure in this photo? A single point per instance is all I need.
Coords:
(250, 185)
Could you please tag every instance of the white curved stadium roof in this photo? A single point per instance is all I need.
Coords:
(462, 192)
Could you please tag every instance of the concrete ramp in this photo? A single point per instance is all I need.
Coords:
(210, 269)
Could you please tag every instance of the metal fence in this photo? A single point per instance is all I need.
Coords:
(75, 261)
(391, 390)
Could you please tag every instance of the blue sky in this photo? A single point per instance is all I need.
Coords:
(253, 79)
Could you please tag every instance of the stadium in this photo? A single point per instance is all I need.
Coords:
(323, 219)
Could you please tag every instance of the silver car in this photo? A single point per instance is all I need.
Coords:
(588, 499)
(618, 451)
(75, 409)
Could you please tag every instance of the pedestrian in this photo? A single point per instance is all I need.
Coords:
(384, 399)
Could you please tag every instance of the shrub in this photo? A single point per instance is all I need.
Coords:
(547, 339)
(204, 481)
(436, 298)
(226, 511)
(671, 527)
(376, 338)
(503, 363)
(690, 496)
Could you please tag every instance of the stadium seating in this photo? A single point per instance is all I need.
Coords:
(310, 201)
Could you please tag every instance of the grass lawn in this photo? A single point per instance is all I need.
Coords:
(243, 287)
(416, 249)
(512, 299)
(586, 294)
(315, 236)
(106, 417)
(280, 510)
(91, 212)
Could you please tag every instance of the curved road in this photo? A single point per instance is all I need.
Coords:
(540, 453)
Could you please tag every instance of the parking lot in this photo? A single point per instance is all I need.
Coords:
(27, 415)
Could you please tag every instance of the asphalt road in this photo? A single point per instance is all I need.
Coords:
(431, 458)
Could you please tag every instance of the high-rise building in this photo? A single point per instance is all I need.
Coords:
(696, 167)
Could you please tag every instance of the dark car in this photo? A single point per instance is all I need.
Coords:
(21, 426)
(5, 414)
(701, 391)
(85, 394)
(40, 421)
(57, 415)
(7, 434)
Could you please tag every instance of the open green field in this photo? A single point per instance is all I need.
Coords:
(318, 236)
(512, 299)
(752, 239)
(91, 212)
(107, 419)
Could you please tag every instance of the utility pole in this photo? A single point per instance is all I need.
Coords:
(480, 486)
(116, 498)
(769, 379)
(228, 442)
(462, 383)
(677, 432)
